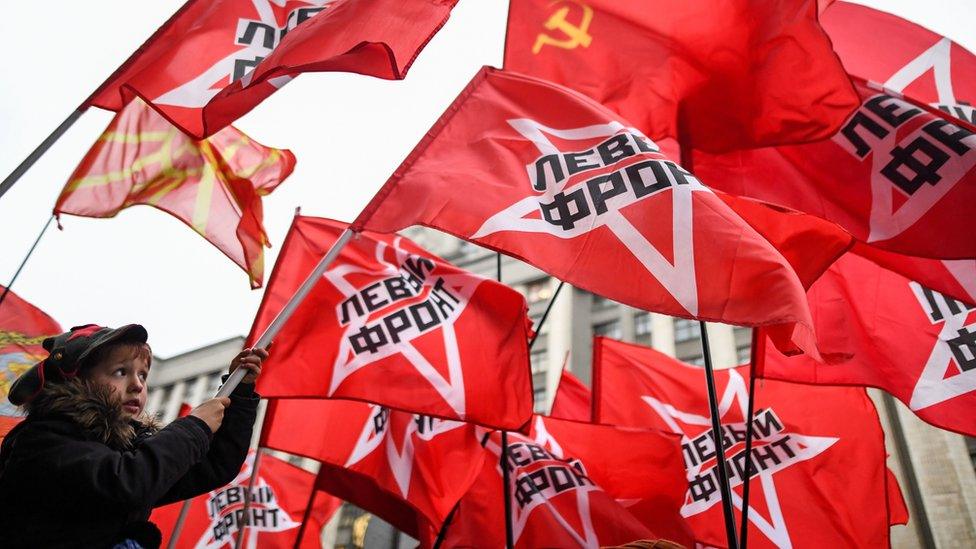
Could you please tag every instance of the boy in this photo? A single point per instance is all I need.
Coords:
(86, 467)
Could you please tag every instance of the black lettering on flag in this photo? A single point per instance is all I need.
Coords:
(921, 158)
(850, 131)
(615, 149)
(569, 208)
(949, 135)
(963, 348)
(891, 110)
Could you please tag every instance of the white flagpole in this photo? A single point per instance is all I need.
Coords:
(272, 330)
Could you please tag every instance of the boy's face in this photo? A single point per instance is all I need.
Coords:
(124, 368)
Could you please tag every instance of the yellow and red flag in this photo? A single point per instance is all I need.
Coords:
(22, 329)
(214, 185)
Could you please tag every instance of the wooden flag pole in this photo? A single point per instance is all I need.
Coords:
(26, 257)
(289, 309)
(174, 536)
(720, 464)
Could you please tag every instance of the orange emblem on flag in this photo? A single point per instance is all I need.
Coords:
(575, 34)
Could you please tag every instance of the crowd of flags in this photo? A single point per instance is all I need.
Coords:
(797, 167)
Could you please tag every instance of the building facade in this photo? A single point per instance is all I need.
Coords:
(935, 468)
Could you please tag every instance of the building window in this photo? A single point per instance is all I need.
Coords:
(697, 360)
(538, 391)
(538, 361)
(607, 329)
(467, 249)
(214, 384)
(642, 327)
(539, 290)
(743, 355)
(686, 330)
(600, 302)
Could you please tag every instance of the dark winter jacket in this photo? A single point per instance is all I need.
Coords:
(75, 473)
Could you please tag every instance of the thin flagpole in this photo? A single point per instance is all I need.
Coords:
(272, 330)
(26, 257)
(174, 536)
(720, 464)
(246, 520)
(307, 514)
(757, 353)
(503, 458)
(442, 533)
(38, 152)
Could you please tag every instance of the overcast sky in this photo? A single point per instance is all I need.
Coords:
(348, 132)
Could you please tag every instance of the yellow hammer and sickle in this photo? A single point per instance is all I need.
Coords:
(576, 35)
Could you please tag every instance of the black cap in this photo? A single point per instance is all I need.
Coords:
(68, 352)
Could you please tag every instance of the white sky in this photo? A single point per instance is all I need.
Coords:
(348, 132)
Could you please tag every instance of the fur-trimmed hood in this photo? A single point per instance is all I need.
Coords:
(94, 409)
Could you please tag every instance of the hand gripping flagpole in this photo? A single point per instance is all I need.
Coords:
(272, 330)
(720, 464)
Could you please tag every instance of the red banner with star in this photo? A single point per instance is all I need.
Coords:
(811, 444)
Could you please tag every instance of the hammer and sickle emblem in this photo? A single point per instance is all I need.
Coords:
(576, 35)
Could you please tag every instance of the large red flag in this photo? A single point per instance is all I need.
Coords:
(812, 444)
(717, 75)
(913, 342)
(281, 492)
(407, 469)
(547, 175)
(22, 329)
(455, 343)
(215, 60)
(895, 176)
(570, 484)
(903, 57)
(215, 186)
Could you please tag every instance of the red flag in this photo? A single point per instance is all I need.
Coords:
(455, 343)
(894, 176)
(278, 499)
(812, 444)
(953, 277)
(215, 186)
(903, 57)
(572, 399)
(570, 484)
(407, 469)
(22, 329)
(566, 185)
(719, 75)
(914, 343)
(215, 60)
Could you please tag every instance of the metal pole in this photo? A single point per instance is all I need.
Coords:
(757, 352)
(242, 527)
(279, 321)
(503, 458)
(720, 464)
(442, 533)
(34, 156)
(174, 536)
(507, 493)
(307, 514)
(24, 262)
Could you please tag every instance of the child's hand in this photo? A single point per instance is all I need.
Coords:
(249, 359)
(212, 412)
